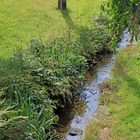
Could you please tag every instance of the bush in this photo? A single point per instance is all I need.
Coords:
(45, 81)
(33, 103)
(54, 66)
(95, 40)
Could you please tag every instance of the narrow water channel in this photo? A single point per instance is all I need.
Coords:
(92, 93)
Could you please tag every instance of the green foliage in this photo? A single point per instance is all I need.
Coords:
(8, 116)
(45, 76)
(53, 66)
(121, 16)
(33, 103)
(96, 40)
(44, 81)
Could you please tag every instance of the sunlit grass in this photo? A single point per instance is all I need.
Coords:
(123, 123)
(21, 21)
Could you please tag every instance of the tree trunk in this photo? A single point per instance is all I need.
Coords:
(62, 4)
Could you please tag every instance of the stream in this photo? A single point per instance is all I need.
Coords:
(92, 93)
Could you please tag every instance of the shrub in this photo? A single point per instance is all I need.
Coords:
(30, 100)
(96, 39)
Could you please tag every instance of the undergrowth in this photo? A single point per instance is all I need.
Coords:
(37, 81)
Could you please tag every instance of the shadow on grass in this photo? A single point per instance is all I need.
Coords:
(67, 18)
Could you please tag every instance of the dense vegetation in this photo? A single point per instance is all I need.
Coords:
(123, 13)
(47, 76)
(38, 79)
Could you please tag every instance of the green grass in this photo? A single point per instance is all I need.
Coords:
(123, 123)
(22, 21)
(127, 111)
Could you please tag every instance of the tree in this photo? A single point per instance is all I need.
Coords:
(124, 13)
(62, 4)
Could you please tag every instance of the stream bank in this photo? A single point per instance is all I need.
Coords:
(91, 93)
(118, 114)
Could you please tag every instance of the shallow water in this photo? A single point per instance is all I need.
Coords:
(92, 91)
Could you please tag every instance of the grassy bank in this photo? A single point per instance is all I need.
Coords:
(22, 21)
(118, 117)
